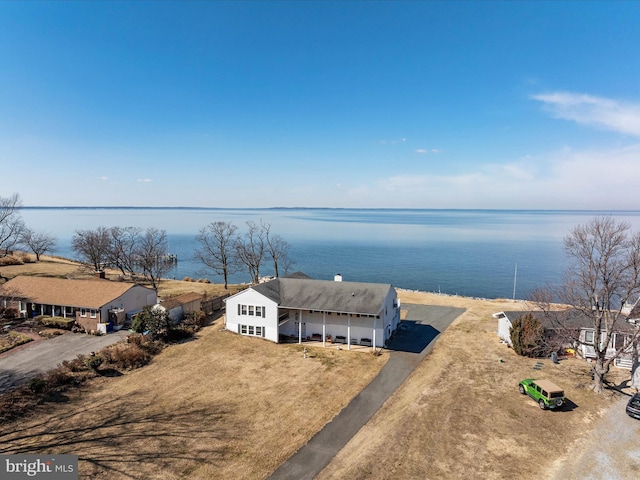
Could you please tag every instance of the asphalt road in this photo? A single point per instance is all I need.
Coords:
(17, 367)
(413, 340)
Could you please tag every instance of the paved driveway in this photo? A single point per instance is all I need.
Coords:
(413, 340)
(26, 362)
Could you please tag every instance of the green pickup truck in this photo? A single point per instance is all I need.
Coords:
(546, 393)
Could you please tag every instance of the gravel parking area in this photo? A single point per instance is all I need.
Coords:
(610, 451)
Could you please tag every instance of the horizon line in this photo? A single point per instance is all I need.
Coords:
(131, 207)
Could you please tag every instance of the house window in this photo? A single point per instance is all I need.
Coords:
(588, 336)
(83, 312)
(92, 313)
(259, 311)
(255, 331)
(243, 309)
(251, 310)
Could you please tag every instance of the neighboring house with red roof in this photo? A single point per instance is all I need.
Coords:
(90, 302)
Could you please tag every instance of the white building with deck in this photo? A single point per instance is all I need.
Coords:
(298, 308)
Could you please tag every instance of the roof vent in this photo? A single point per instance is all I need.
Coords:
(337, 277)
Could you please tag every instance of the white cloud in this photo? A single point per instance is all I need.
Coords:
(623, 117)
(103, 178)
(425, 151)
(566, 179)
(145, 180)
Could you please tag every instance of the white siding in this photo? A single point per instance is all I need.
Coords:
(235, 317)
(134, 299)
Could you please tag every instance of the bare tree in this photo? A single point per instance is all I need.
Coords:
(153, 255)
(38, 242)
(277, 249)
(11, 223)
(92, 247)
(217, 248)
(604, 275)
(250, 249)
(124, 243)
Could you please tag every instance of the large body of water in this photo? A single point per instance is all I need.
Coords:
(465, 252)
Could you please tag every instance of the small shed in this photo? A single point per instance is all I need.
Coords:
(180, 305)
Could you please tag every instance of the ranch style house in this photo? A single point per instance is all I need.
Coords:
(297, 308)
(90, 302)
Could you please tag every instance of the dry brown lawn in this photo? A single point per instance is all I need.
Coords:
(226, 406)
(219, 406)
(460, 415)
(59, 267)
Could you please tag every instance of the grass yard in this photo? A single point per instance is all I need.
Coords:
(460, 415)
(219, 406)
(63, 268)
(226, 406)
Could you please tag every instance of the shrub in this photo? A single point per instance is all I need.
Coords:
(188, 279)
(78, 364)
(58, 322)
(10, 260)
(13, 340)
(37, 385)
(61, 377)
(527, 336)
(129, 356)
(196, 318)
(138, 324)
(94, 362)
(26, 258)
(9, 313)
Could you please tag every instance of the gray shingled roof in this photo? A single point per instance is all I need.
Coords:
(565, 319)
(326, 295)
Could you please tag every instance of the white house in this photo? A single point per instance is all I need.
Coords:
(299, 308)
(573, 320)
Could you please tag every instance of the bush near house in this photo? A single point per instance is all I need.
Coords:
(9, 313)
(527, 336)
(57, 322)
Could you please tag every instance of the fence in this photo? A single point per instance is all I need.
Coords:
(213, 304)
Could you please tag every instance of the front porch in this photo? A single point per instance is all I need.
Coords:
(355, 347)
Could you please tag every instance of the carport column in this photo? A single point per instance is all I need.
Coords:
(300, 329)
(348, 331)
(324, 329)
(374, 333)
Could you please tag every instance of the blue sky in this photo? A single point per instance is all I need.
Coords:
(321, 104)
